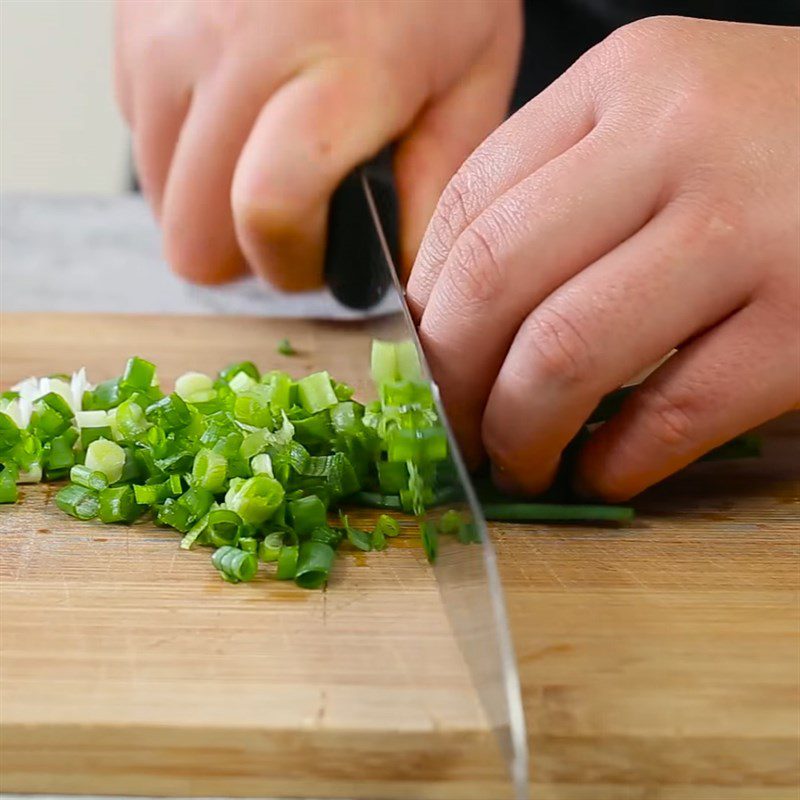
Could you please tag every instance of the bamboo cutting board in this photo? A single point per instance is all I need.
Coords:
(657, 661)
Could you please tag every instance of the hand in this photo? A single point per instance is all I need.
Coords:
(647, 200)
(246, 115)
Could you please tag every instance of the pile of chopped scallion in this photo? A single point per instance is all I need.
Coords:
(253, 465)
(256, 465)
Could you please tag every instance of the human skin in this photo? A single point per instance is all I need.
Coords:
(649, 199)
(246, 115)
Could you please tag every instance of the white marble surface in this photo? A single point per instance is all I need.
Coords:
(104, 254)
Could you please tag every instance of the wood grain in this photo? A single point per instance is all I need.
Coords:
(657, 661)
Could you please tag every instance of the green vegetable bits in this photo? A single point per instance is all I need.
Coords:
(250, 465)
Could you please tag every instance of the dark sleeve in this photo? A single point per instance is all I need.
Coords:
(558, 32)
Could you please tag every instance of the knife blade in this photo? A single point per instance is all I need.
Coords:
(467, 574)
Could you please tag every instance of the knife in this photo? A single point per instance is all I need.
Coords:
(363, 240)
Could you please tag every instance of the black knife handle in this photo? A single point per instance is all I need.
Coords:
(355, 266)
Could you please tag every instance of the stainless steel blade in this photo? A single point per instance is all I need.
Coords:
(468, 579)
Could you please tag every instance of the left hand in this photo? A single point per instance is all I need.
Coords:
(648, 200)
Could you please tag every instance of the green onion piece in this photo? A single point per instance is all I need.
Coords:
(383, 362)
(358, 538)
(247, 367)
(51, 416)
(330, 536)
(131, 420)
(195, 534)
(83, 476)
(106, 457)
(78, 501)
(392, 476)
(535, 512)
(270, 548)
(9, 432)
(191, 384)
(256, 499)
(430, 540)
(210, 470)
(287, 562)
(285, 348)
(234, 565)
(174, 515)
(342, 391)
(8, 484)
(174, 485)
(375, 500)
(249, 544)
(279, 386)
(139, 375)
(89, 435)
(197, 501)
(307, 513)
(388, 525)
(450, 522)
(407, 364)
(224, 527)
(261, 465)
(58, 456)
(146, 495)
(316, 393)
(118, 504)
(314, 562)
(241, 382)
(378, 538)
(170, 413)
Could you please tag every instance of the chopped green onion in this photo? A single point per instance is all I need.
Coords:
(8, 484)
(430, 540)
(191, 384)
(316, 393)
(307, 513)
(270, 548)
(170, 413)
(314, 562)
(262, 465)
(224, 527)
(534, 512)
(210, 470)
(118, 504)
(83, 476)
(247, 367)
(249, 544)
(196, 533)
(287, 562)
(78, 501)
(358, 538)
(285, 348)
(197, 501)
(242, 382)
(234, 565)
(139, 375)
(106, 457)
(131, 420)
(256, 499)
(388, 526)
(174, 515)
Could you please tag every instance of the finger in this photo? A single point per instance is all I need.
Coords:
(625, 311)
(312, 132)
(736, 376)
(518, 251)
(446, 132)
(161, 104)
(546, 127)
(199, 237)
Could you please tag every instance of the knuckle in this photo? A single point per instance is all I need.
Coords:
(475, 271)
(561, 351)
(450, 217)
(670, 418)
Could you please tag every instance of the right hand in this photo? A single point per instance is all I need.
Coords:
(246, 115)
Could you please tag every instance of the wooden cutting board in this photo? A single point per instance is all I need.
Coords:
(657, 661)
